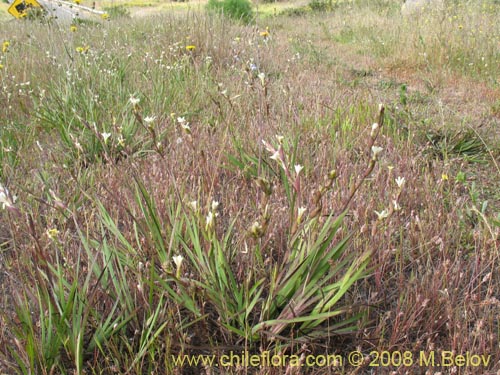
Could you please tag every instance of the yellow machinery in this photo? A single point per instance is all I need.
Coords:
(59, 9)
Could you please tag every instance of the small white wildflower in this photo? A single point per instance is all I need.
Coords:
(396, 205)
(400, 181)
(276, 156)
(134, 101)
(382, 215)
(178, 259)
(186, 127)
(149, 119)
(78, 145)
(184, 124)
(178, 140)
(215, 205)
(374, 128)
(268, 147)
(209, 223)
(256, 229)
(300, 214)
(280, 139)
(298, 168)
(105, 137)
(486, 277)
(5, 198)
(376, 150)
(262, 78)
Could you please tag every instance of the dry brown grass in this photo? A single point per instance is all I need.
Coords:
(434, 281)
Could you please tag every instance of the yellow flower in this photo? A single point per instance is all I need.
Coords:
(73, 28)
(52, 233)
(190, 48)
(77, 2)
(105, 16)
(444, 177)
(82, 49)
(264, 34)
(5, 46)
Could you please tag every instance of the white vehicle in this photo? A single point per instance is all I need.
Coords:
(58, 9)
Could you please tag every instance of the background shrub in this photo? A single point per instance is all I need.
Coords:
(236, 9)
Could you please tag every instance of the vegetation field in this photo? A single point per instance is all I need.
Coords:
(307, 188)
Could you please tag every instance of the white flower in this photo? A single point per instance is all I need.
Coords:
(276, 156)
(298, 168)
(374, 128)
(215, 204)
(268, 146)
(400, 181)
(396, 205)
(105, 137)
(256, 229)
(178, 259)
(77, 144)
(262, 78)
(134, 100)
(149, 119)
(184, 124)
(376, 150)
(382, 215)
(280, 139)
(5, 198)
(300, 213)
(209, 223)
